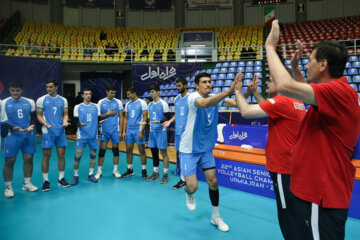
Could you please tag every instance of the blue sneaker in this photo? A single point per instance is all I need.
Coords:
(92, 178)
(75, 181)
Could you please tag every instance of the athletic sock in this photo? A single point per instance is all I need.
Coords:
(46, 176)
(129, 166)
(91, 171)
(8, 184)
(115, 168)
(61, 175)
(27, 180)
(156, 169)
(76, 172)
(99, 169)
(143, 167)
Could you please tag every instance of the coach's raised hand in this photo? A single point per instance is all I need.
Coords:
(274, 35)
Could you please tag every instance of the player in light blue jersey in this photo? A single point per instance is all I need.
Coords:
(180, 117)
(158, 113)
(18, 122)
(198, 141)
(52, 113)
(86, 115)
(134, 127)
(112, 110)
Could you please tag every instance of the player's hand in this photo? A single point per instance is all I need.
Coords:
(111, 112)
(141, 136)
(274, 35)
(124, 136)
(19, 129)
(120, 136)
(30, 128)
(238, 82)
(254, 84)
(66, 124)
(83, 124)
(49, 126)
(166, 124)
(101, 121)
(141, 123)
(298, 54)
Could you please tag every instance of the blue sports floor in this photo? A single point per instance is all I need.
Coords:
(129, 208)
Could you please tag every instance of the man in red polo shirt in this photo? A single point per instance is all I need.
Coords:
(322, 174)
(284, 117)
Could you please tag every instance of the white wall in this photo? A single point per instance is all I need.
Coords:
(324, 9)
(89, 16)
(209, 17)
(150, 18)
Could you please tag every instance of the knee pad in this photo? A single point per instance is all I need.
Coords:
(77, 161)
(102, 152)
(115, 152)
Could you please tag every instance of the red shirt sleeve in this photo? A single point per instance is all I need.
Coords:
(276, 107)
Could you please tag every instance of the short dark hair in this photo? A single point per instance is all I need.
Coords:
(110, 88)
(86, 90)
(154, 87)
(16, 84)
(132, 90)
(51, 80)
(335, 54)
(200, 75)
(182, 80)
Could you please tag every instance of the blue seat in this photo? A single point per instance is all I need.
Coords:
(258, 63)
(145, 93)
(249, 69)
(161, 93)
(233, 109)
(223, 108)
(166, 92)
(165, 99)
(171, 92)
(197, 72)
(240, 69)
(192, 79)
(345, 72)
(171, 100)
(230, 76)
(259, 89)
(218, 65)
(232, 97)
(223, 70)
(172, 108)
(356, 64)
(225, 64)
(162, 87)
(257, 69)
(254, 100)
(348, 79)
(356, 79)
(246, 82)
(305, 61)
(249, 75)
(225, 88)
(353, 59)
(221, 76)
(216, 90)
(301, 67)
(243, 89)
(249, 63)
(216, 70)
(176, 92)
(233, 64)
(352, 71)
(348, 65)
(287, 62)
(214, 76)
(241, 64)
(191, 90)
(188, 78)
(227, 83)
(192, 85)
(232, 70)
(219, 83)
(259, 74)
(354, 86)
(209, 71)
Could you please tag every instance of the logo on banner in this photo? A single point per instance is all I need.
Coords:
(159, 74)
(237, 135)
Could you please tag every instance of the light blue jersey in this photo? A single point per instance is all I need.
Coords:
(156, 113)
(53, 110)
(17, 113)
(87, 114)
(181, 112)
(112, 122)
(200, 130)
(135, 113)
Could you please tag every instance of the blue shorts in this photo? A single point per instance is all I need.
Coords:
(189, 162)
(107, 136)
(49, 140)
(93, 143)
(13, 143)
(132, 137)
(158, 139)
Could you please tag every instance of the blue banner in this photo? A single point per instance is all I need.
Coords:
(255, 136)
(32, 72)
(357, 150)
(144, 75)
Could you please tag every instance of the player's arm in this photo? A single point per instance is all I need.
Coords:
(125, 125)
(145, 118)
(40, 118)
(32, 122)
(282, 79)
(65, 117)
(169, 122)
(247, 110)
(121, 121)
(214, 100)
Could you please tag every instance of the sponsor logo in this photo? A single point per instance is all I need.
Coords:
(272, 101)
(299, 106)
(159, 74)
(237, 135)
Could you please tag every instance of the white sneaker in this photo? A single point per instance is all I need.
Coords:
(98, 175)
(116, 174)
(29, 187)
(190, 201)
(9, 193)
(219, 222)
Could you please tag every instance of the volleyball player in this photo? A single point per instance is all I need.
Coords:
(52, 113)
(18, 123)
(111, 109)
